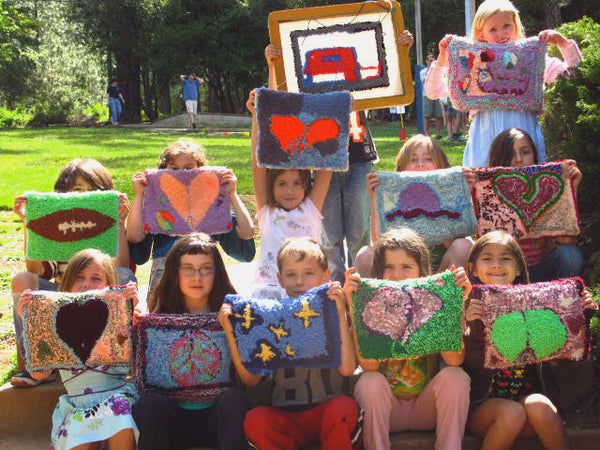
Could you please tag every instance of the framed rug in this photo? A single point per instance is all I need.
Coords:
(436, 204)
(496, 76)
(296, 332)
(179, 202)
(63, 330)
(407, 319)
(58, 225)
(527, 202)
(182, 356)
(349, 47)
(303, 131)
(526, 324)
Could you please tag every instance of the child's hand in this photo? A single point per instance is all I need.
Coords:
(24, 299)
(372, 183)
(461, 280)
(588, 302)
(229, 178)
(131, 291)
(351, 283)
(406, 39)
(443, 46)
(573, 173)
(474, 311)
(124, 207)
(470, 177)
(336, 293)
(19, 206)
(251, 102)
(552, 37)
(272, 52)
(224, 314)
(139, 183)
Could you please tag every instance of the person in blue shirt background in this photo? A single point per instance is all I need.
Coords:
(190, 85)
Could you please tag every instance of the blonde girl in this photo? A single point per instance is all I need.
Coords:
(98, 403)
(79, 175)
(194, 282)
(288, 204)
(498, 22)
(420, 153)
(506, 404)
(237, 243)
(412, 394)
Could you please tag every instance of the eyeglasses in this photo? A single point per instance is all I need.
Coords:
(202, 271)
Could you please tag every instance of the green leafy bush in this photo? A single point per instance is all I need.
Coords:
(13, 118)
(571, 127)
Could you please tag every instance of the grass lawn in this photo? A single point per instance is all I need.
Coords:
(30, 159)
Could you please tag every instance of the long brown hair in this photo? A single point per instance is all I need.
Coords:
(81, 260)
(502, 148)
(435, 150)
(401, 239)
(500, 238)
(182, 148)
(89, 170)
(167, 298)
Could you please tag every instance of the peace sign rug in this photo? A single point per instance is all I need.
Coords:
(182, 356)
(526, 324)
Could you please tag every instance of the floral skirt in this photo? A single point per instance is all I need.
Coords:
(73, 426)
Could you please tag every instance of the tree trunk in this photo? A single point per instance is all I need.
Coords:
(552, 16)
(128, 70)
(164, 100)
(148, 104)
(214, 88)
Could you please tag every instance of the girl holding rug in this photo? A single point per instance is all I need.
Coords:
(498, 22)
(98, 402)
(506, 404)
(237, 243)
(515, 148)
(420, 153)
(80, 175)
(194, 282)
(288, 204)
(410, 394)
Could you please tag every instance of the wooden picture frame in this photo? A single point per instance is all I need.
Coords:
(344, 47)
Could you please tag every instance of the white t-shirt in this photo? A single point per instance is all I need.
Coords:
(276, 225)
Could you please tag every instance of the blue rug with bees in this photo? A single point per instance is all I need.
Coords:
(297, 332)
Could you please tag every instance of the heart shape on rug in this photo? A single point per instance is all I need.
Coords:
(523, 337)
(295, 137)
(80, 325)
(399, 313)
(192, 201)
(529, 197)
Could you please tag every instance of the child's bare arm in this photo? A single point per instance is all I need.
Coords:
(272, 54)
(320, 187)
(247, 378)
(372, 183)
(259, 174)
(245, 227)
(135, 221)
(348, 360)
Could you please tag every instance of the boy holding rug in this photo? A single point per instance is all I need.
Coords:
(308, 408)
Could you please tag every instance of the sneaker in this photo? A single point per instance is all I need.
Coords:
(193, 126)
(439, 137)
(24, 380)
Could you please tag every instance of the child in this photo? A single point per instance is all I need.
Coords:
(194, 282)
(98, 402)
(237, 243)
(499, 414)
(114, 101)
(498, 22)
(307, 408)
(80, 175)
(515, 148)
(288, 204)
(410, 394)
(420, 153)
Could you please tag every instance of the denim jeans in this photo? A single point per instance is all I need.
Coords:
(346, 214)
(115, 109)
(564, 262)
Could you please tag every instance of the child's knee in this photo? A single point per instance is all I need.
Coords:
(24, 280)
(257, 421)
(371, 386)
(458, 252)
(455, 379)
(512, 416)
(540, 409)
(364, 261)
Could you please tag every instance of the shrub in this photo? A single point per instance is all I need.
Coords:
(13, 118)
(571, 127)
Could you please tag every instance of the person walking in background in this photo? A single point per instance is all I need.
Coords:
(190, 85)
(114, 101)
(431, 108)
